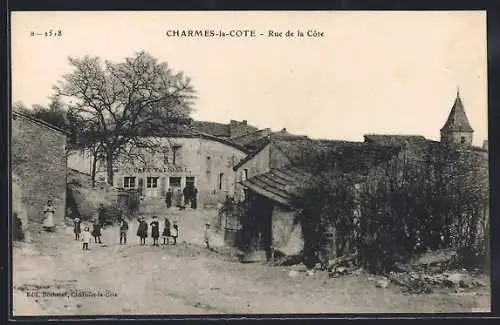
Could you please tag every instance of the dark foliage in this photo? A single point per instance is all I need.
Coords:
(418, 200)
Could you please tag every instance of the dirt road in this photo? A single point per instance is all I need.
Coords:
(187, 279)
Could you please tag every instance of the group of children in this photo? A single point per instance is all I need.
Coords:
(86, 234)
(169, 231)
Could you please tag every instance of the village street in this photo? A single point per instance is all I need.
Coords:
(188, 279)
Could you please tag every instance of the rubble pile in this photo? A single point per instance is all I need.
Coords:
(341, 266)
(423, 275)
(431, 271)
(420, 282)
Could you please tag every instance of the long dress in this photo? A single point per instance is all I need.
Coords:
(77, 228)
(155, 229)
(194, 199)
(168, 199)
(96, 231)
(49, 211)
(142, 231)
(166, 229)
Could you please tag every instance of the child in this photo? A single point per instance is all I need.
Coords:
(207, 235)
(166, 232)
(175, 233)
(77, 228)
(96, 232)
(142, 230)
(123, 231)
(155, 230)
(86, 238)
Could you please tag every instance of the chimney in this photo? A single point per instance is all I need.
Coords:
(283, 130)
(244, 122)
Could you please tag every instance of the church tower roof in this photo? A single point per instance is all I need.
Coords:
(457, 120)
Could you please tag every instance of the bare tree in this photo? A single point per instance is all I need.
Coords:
(124, 103)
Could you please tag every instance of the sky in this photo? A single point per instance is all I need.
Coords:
(371, 72)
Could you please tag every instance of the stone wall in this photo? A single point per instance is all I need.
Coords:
(456, 138)
(18, 206)
(277, 158)
(237, 128)
(80, 160)
(39, 161)
(259, 164)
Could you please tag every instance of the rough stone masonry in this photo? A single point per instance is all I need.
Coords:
(38, 160)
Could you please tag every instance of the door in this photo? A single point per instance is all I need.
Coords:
(152, 189)
(174, 183)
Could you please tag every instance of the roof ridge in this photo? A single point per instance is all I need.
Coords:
(39, 121)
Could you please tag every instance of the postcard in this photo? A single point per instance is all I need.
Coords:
(244, 163)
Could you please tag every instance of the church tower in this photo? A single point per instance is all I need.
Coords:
(457, 130)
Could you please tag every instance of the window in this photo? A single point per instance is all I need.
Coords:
(175, 154)
(175, 181)
(129, 182)
(221, 181)
(152, 182)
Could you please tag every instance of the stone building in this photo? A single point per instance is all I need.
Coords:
(280, 164)
(273, 176)
(457, 130)
(271, 151)
(181, 157)
(38, 166)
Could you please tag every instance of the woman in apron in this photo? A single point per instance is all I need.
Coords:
(49, 210)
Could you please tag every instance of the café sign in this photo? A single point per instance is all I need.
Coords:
(170, 169)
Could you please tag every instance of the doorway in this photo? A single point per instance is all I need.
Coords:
(152, 186)
(174, 183)
(190, 181)
(258, 231)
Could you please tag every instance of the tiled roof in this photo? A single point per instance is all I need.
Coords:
(351, 157)
(237, 128)
(183, 131)
(212, 128)
(249, 139)
(457, 120)
(391, 140)
(296, 148)
(279, 185)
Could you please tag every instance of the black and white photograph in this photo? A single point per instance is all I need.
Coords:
(249, 163)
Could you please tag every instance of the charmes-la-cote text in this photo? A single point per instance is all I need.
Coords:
(243, 33)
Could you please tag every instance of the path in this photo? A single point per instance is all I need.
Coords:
(188, 279)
